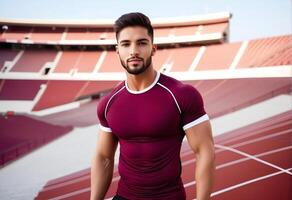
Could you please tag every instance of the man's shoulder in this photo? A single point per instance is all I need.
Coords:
(175, 85)
(188, 98)
(169, 81)
(184, 93)
(104, 99)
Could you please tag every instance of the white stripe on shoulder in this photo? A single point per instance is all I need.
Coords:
(106, 129)
(196, 121)
(106, 107)
(171, 95)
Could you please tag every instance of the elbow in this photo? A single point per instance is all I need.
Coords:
(107, 163)
(103, 161)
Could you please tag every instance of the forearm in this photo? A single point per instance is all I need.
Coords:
(204, 175)
(101, 176)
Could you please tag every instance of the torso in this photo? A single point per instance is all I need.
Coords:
(148, 125)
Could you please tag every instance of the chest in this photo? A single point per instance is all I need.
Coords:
(141, 116)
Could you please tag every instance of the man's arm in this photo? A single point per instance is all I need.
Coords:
(103, 165)
(201, 141)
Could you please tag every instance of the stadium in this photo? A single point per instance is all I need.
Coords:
(53, 74)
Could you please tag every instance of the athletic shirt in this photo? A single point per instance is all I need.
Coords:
(150, 125)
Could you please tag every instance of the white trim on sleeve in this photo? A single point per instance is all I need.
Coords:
(106, 129)
(195, 122)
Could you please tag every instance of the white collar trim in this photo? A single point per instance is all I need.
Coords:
(146, 89)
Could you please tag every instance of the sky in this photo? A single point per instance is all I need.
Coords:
(251, 19)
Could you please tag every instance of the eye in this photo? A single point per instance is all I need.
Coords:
(142, 43)
(125, 44)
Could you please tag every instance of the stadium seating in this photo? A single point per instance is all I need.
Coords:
(220, 96)
(265, 52)
(55, 94)
(54, 35)
(80, 61)
(45, 34)
(6, 56)
(16, 33)
(34, 60)
(273, 51)
(20, 89)
(228, 95)
(181, 59)
(111, 63)
(217, 57)
(21, 134)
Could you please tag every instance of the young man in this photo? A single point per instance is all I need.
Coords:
(148, 115)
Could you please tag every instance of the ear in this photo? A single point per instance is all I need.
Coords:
(117, 49)
(154, 48)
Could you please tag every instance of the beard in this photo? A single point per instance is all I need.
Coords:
(137, 69)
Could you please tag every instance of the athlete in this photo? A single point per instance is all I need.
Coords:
(148, 115)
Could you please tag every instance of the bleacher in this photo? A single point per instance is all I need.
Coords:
(21, 134)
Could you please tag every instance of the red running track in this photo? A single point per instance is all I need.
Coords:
(253, 162)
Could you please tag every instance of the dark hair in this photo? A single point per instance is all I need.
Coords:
(133, 19)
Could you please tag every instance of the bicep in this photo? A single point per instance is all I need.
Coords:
(106, 145)
(200, 137)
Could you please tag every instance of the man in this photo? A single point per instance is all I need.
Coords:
(148, 115)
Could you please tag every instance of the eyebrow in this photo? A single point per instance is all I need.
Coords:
(139, 40)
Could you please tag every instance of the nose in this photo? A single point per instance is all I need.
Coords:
(134, 51)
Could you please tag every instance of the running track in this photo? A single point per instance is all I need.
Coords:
(254, 162)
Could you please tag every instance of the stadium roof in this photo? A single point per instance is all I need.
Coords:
(158, 22)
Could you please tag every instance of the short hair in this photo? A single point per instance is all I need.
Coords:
(133, 19)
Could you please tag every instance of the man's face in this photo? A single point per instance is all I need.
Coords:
(135, 49)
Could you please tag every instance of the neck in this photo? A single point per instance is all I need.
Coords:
(141, 81)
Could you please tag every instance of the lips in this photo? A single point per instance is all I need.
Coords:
(135, 60)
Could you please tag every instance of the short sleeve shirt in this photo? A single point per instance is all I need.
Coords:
(150, 125)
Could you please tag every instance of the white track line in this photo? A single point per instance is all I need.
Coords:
(252, 132)
(248, 182)
(235, 161)
(242, 143)
(194, 182)
(253, 157)
(258, 155)
(241, 184)
(242, 160)
(65, 196)
(189, 184)
(62, 184)
(262, 138)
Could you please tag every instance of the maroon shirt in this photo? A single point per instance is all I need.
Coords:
(150, 127)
